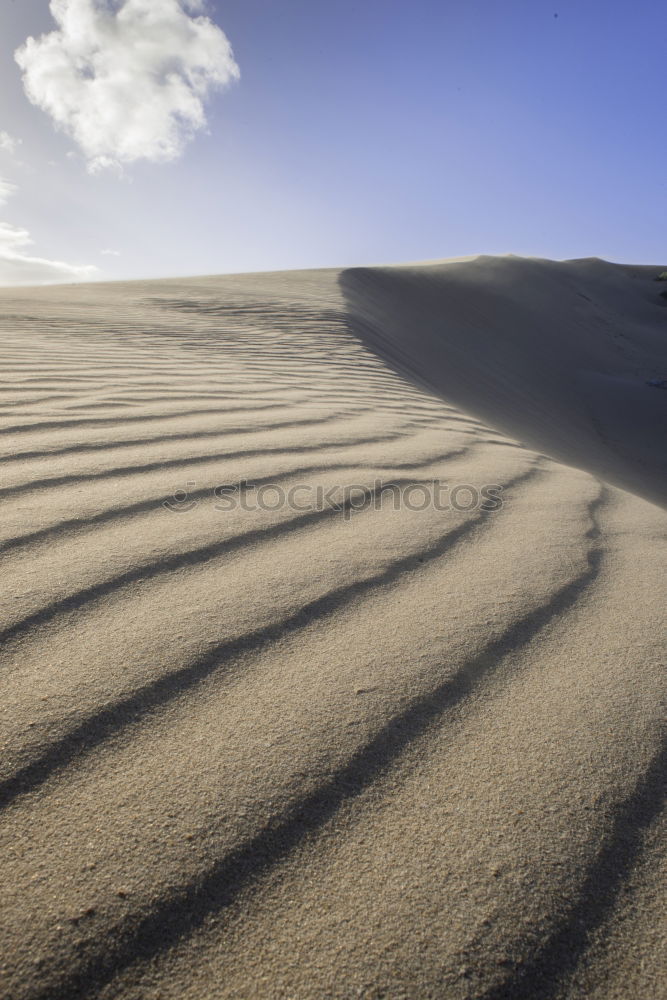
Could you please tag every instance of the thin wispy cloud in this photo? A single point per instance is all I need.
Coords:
(7, 189)
(20, 268)
(127, 81)
(8, 143)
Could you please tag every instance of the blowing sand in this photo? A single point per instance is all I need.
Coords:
(338, 746)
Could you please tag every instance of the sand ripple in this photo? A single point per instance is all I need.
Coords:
(323, 752)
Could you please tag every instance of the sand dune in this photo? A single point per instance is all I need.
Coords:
(559, 354)
(335, 745)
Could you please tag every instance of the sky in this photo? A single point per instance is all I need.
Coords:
(150, 138)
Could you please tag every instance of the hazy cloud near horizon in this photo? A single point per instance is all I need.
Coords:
(7, 189)
(129, 82)
(8, 143)
(20, 268)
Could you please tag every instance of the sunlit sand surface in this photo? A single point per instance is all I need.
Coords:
(314, 751)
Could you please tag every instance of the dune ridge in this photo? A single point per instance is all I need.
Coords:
(358, 750)
(559, 354)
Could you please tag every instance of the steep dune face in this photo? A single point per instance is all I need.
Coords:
(333, 744)
(557, 354)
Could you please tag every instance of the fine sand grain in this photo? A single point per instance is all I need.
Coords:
(338, 747)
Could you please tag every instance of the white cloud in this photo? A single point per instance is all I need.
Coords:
(127, 79)
(7, 189)
(8, 143)
(110, 253)
(20, 268)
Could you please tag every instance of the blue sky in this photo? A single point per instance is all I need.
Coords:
(366, 132)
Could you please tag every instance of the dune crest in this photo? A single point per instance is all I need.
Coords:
(557, 354)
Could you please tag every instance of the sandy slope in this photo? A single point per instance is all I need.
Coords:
(318, 752)
(559, 354)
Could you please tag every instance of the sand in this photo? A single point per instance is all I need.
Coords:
(338, 746)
